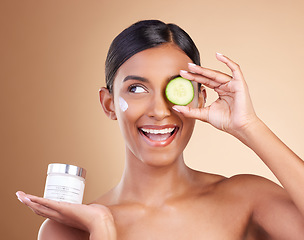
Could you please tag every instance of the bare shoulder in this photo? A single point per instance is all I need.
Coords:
(251, 185)
(272, 208)
(51, 230)
(260, 192)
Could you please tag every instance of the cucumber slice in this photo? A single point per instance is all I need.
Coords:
(180, 91)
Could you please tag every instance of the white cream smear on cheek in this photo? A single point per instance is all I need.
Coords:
(123, 104)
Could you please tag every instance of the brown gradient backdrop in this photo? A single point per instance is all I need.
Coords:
(52, 65)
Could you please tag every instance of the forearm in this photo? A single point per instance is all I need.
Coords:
(284, 163)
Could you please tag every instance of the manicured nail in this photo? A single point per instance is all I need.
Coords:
(17, 194)
(183, 71)
(174, 108)
(219, 54)
(192, 64)
(27, 199)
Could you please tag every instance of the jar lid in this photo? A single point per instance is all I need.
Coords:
(67, 169)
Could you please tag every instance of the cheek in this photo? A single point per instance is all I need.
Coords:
(123, 104)
(131, 110)
(128, 119)
(188, 124)
(136, 108)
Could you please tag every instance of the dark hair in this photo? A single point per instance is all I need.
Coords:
(144, 35)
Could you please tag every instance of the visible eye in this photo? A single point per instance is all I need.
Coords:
(137, 89)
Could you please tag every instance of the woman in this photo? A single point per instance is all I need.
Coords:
(159, 197)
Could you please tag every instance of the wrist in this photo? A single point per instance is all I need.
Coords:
(250, 130)
(103, 230)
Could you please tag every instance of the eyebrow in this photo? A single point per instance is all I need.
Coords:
(134, 77)
(143, 79)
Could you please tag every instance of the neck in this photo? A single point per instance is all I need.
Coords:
(153, 185)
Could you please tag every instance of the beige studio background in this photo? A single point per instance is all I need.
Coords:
(52, 65)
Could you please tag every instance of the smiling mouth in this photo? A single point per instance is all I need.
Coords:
(159, 135)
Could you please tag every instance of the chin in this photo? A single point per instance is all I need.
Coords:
(162, 160)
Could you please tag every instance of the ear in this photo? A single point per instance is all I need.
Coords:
(107, 103)
(202, 97)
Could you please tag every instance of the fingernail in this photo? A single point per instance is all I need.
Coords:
(219, 54)
(17, 194)
(27, 199)
(191, 64)
(183, 71)
(174, 108)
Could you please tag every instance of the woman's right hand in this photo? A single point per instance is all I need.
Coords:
(233, 111)
(94, 218)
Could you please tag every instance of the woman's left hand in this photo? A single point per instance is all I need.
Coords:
(232, 112)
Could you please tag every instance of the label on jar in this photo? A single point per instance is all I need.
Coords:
(63, 187)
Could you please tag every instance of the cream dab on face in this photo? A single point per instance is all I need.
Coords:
(123, 104)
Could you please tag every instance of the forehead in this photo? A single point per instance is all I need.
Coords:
(158, 62)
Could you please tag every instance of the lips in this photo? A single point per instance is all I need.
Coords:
(158, 135)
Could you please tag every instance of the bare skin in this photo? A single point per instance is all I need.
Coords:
(159, 197)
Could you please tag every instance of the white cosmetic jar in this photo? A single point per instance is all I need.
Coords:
(65, 183)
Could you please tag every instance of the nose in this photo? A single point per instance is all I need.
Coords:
(159, 107)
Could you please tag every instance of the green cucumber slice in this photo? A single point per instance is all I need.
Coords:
(180, 91)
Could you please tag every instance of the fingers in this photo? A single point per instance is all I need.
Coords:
(40, 206)
(196, 113)
(207, 77)
(212, 78)
(45, 202)
(208, 82)
(234, 67)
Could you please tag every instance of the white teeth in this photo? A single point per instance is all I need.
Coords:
(155, 131)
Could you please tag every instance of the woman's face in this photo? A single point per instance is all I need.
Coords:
(154, 133)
